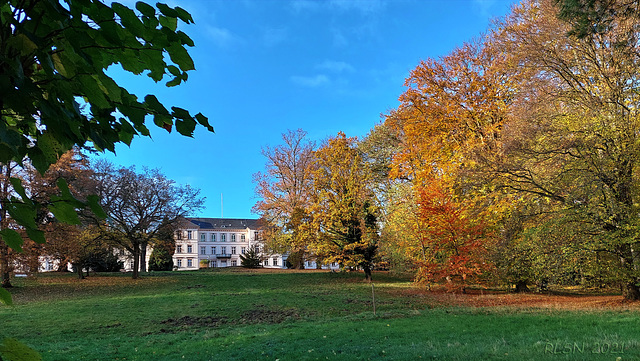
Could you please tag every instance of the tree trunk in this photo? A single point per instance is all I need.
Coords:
(78, 268)
(143, 256)
(62, 265)
(136, 260)
(631, 291)
(367, 272)
(521, 286)
(5, 272)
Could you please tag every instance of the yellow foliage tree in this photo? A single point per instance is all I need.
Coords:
(343, 206)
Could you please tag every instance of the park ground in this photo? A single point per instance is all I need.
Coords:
(237, 314)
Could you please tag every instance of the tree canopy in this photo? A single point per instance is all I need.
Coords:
(56, 91)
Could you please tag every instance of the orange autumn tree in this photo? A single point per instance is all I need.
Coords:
(455, 246)
(450, 120)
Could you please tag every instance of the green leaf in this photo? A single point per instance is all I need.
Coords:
(185, 39)
(5, 297)
(14, 350)
(152, 102)
(36, 235)
(174, 70)
(50, 147)
(64, 212)
(163, 121)
(184, 15)
(22, 43)
(66, 193)
(94, 203)
(174, 82)
(129, 19)
(12, 239)
(186, 127)
(166, 10)
(180, 56)
(181, 113)
(169, 23)
(17, 186)
(204, 121)
(92, 91)
(24, 214)
(146, 9)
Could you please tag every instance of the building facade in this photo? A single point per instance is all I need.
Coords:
(218, 242)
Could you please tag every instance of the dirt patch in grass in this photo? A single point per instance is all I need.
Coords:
(490, 299)
(262, 314)
(186, 321)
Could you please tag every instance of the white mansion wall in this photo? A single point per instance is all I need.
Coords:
(217, 247)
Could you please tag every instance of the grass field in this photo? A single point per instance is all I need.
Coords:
(235, 314)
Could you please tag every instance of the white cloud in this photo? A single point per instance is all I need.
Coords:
(335, 66)
(311, 81)
(305, 5)
(273, 36)
(221, 36)
(339, 39)
(361, 6)
(484, 6)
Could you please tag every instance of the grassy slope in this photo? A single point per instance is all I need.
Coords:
(232, 315)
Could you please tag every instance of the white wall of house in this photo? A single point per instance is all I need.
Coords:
(313, 265)
(217, 247)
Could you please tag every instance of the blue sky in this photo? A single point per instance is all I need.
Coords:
(266, 66)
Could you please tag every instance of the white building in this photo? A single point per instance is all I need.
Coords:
(218, 242)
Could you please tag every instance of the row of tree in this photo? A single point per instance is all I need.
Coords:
(512, 159)
(137, 209)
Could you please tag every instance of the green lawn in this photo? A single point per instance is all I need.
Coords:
(240, 315)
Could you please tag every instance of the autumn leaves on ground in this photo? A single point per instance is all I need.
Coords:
(240, 314)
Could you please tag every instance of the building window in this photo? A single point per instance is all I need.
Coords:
(243, 250)
(179, 248)
(203, 250)
(243, 238)
(203, 237)
(234, 263)
(212, 263)
(255, 235)
(213, 237)
(233, 250)
(189, 248)
(178, 234)
(266, 262)
(275, 261)
(213, 250)
(233, 237)
(223, 237)
(179, 263)
(189, 262)
(189, 234)
(224, 250)
(223, 263)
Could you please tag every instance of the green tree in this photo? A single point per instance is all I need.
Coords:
(573, 136)
(55, 92)
(251, 258)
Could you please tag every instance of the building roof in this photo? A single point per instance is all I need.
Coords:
(224, 223)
